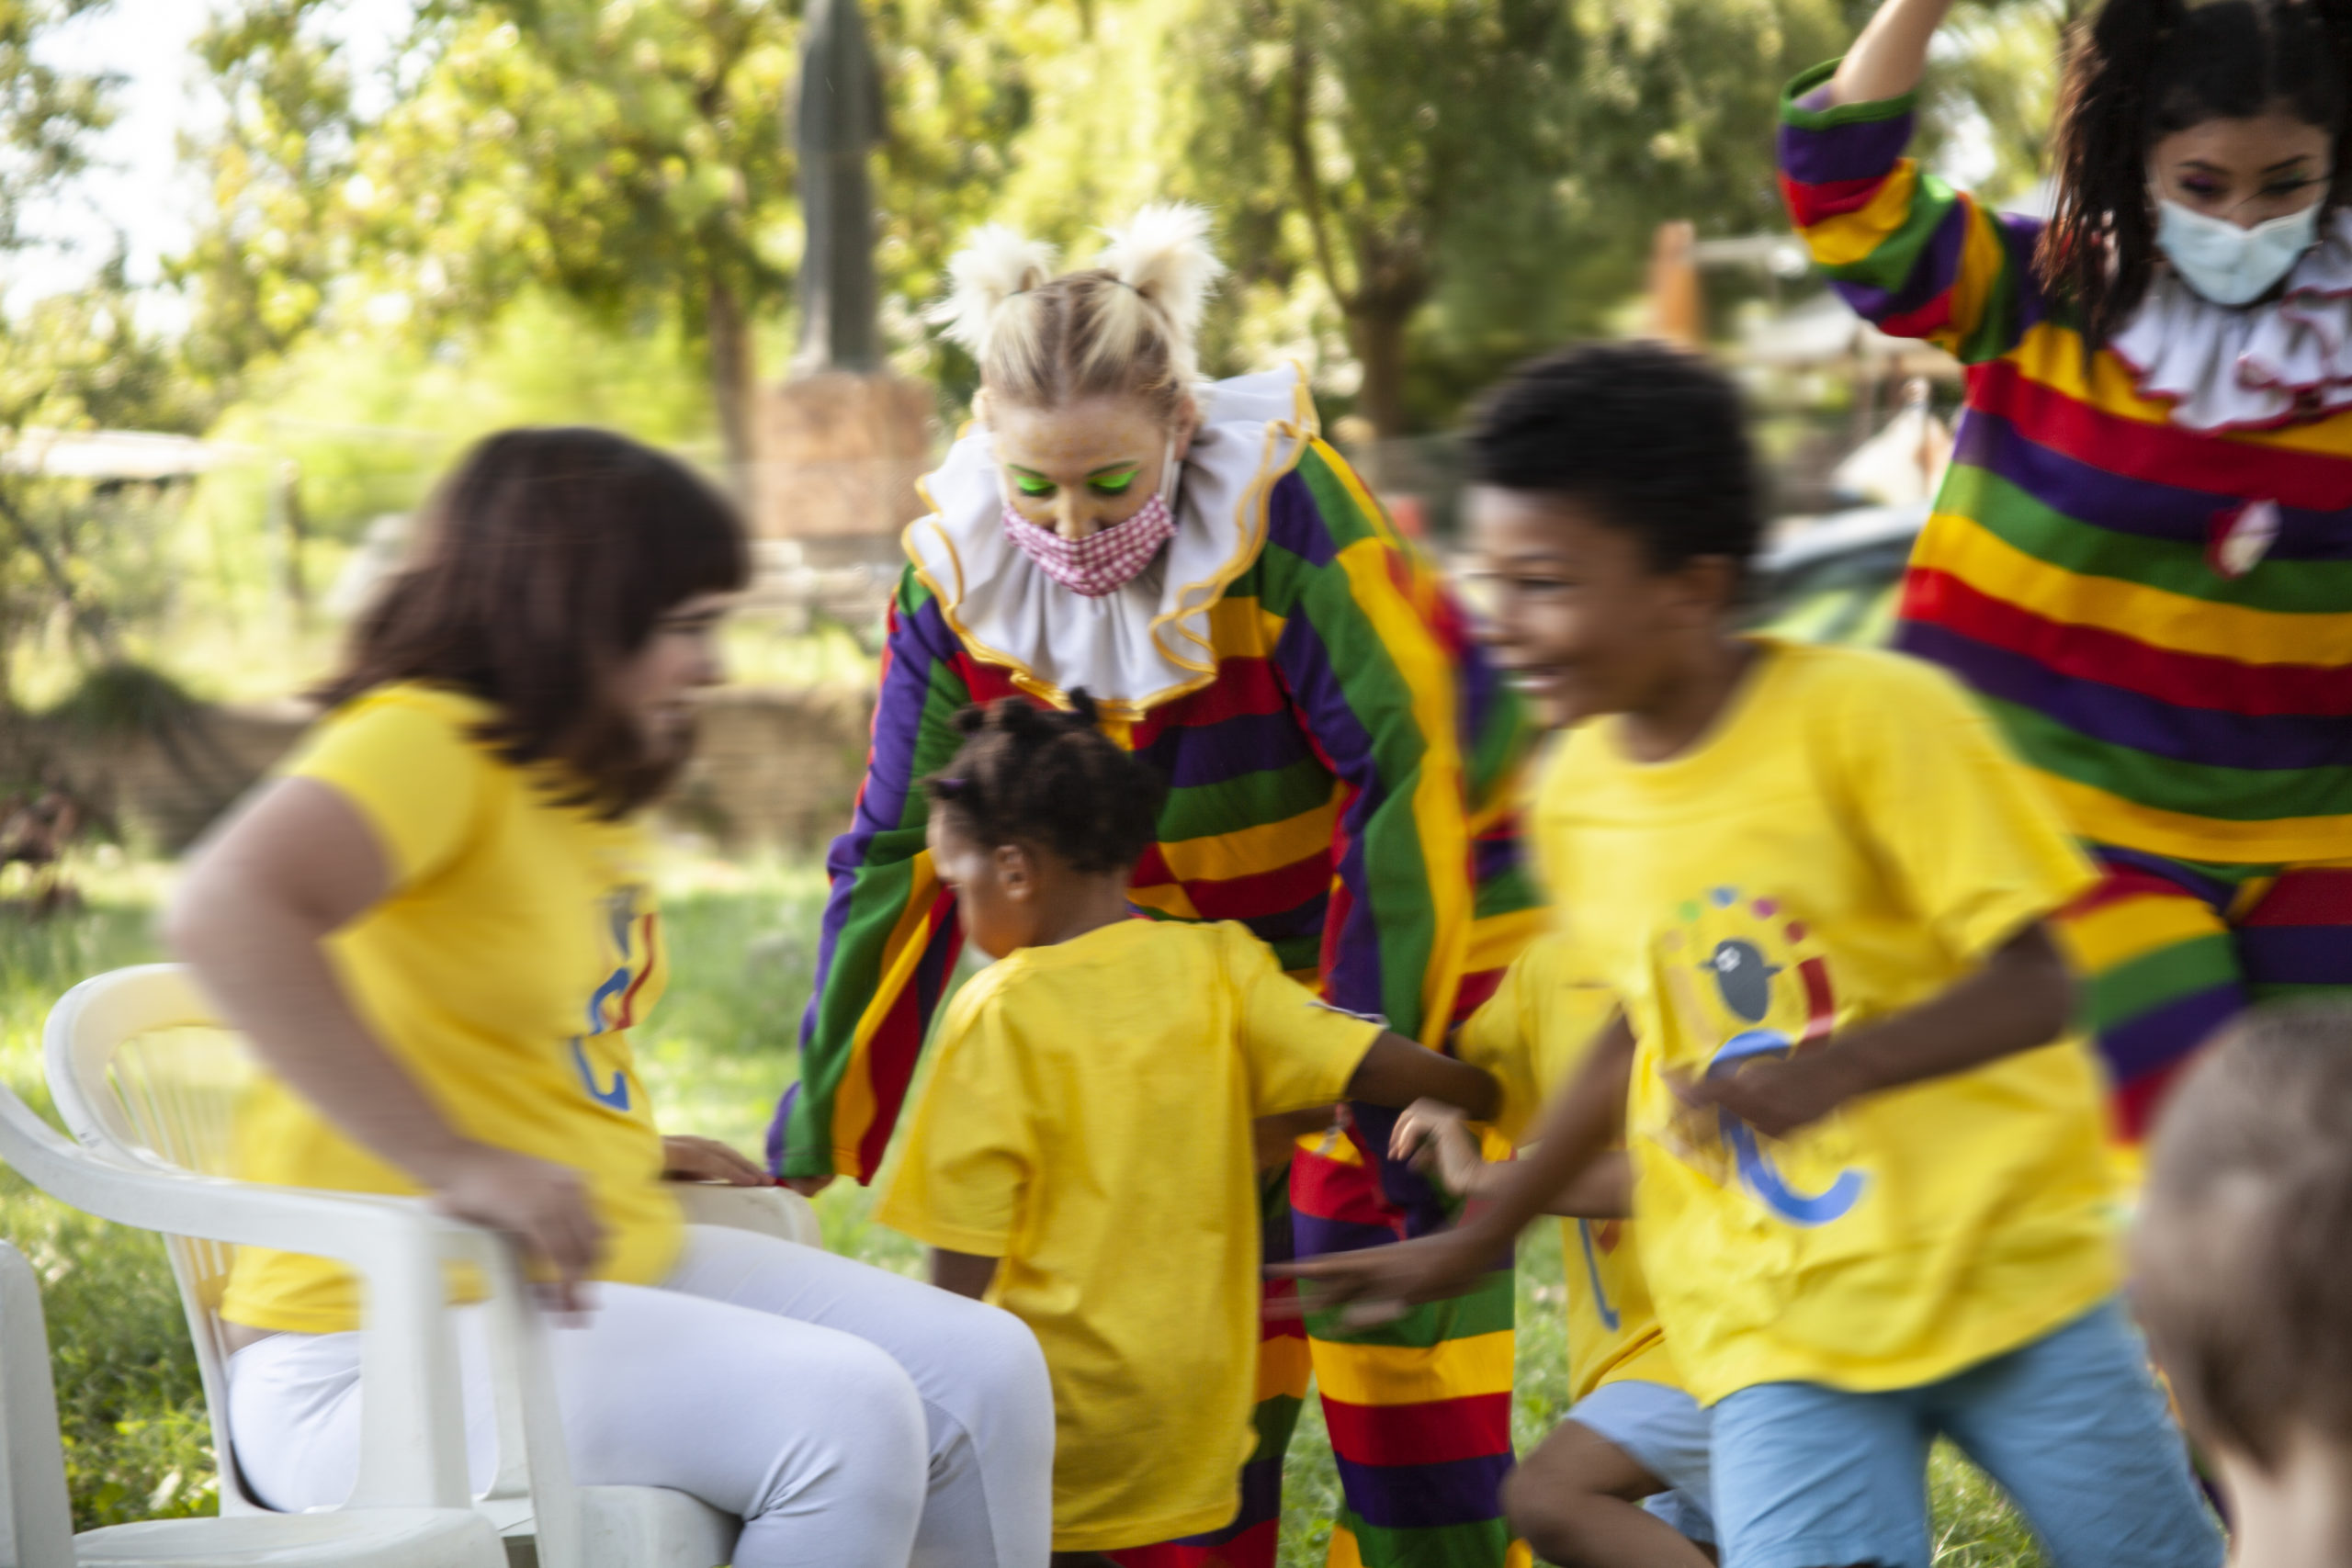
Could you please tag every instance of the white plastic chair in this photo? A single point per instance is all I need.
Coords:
(413, 1513)
(143, 1072)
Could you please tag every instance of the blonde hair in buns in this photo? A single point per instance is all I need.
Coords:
(1125, 325)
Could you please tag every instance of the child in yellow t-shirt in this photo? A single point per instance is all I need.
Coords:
(1873, 1198)
(1082, 1154)
(1632, 1433)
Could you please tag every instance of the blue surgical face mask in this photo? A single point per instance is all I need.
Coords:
(2228, 265)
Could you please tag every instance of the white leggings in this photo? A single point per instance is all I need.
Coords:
(851, 1418)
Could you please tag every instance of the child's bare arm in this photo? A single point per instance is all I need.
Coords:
(1437, 1136)
(962, 1273)
(1398, 1072)
(1603, 1190)
(1575, 1128)
(2021, 996)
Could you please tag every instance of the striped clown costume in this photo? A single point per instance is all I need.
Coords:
(1342, 766)
(2142, 561)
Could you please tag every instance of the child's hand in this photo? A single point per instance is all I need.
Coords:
(685, 1158)
(1379, 1283)
(1435, 1135)
(1775, 1096)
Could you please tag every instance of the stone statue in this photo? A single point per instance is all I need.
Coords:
(837, 122)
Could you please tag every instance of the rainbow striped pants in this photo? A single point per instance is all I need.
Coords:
(1419, 1410)
(2174, 949)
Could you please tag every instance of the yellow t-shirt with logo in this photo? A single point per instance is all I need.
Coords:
(503, 970)
(1088, 1121)
(1531, 1035)
(1850, 840)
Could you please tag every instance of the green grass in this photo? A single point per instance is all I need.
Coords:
(716, 1052)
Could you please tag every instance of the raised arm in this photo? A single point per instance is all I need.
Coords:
(889, 935)
(1907, 252)
(1891, 55)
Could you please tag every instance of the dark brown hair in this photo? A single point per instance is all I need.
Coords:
(1044, 776)
(543, 565)
(2141, 70)
(2244, 1231)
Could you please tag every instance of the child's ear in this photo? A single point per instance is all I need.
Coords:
(1709, 585)
(1016, 874)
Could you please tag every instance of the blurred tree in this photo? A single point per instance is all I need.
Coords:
(1502, 161)
(267, 256)
(630, 154)
(46, 114)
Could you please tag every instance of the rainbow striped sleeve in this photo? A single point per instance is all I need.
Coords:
(1906, 251)
(1375, 686)
(890, 935)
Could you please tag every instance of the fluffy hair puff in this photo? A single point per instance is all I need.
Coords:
(995, 265)
(1164, 254)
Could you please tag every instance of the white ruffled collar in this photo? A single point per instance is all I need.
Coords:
(1148, 642)
(2251, 366)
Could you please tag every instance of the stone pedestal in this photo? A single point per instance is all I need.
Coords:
(838, 455)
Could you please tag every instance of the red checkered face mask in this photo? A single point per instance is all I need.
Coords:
(1106, 560)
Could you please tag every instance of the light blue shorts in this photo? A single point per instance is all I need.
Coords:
(1665, 1430)
(2071, 1425)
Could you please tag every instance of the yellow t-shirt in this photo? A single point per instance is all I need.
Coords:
(1531, 1034)
(504, 969)
(1850, 840)
(1087, 1120)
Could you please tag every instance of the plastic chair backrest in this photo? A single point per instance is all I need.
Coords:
(147, 1070)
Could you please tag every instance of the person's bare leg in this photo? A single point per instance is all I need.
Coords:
(1577, 1501)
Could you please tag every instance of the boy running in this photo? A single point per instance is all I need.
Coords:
(1873, 1202)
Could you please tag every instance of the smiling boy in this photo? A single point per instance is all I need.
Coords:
(1871, 1195)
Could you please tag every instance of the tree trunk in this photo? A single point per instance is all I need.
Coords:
(731, 383)
(1378, 333)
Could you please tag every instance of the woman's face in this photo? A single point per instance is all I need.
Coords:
(656, 687)
(1080, 468)
(2244, 171)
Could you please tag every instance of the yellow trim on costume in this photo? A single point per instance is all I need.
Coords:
(1849, 237)
(1437, 790)
(2114, 934)
(2111, 819)
(2171, 622)
(1284, 1364)
(1343, 1552)
(1410, 1374)
(1247, 851)
(854, 1104)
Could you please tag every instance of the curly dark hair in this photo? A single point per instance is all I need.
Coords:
(545, 563)
(1652, 438)
(1050, 777)
(2141, 70)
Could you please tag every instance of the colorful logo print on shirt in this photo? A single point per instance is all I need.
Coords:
(1741, 971)
(613, 1007)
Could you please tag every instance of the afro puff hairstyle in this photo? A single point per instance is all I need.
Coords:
(1048, 777)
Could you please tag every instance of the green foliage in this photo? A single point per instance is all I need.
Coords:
(268, 255)
(46, 114)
